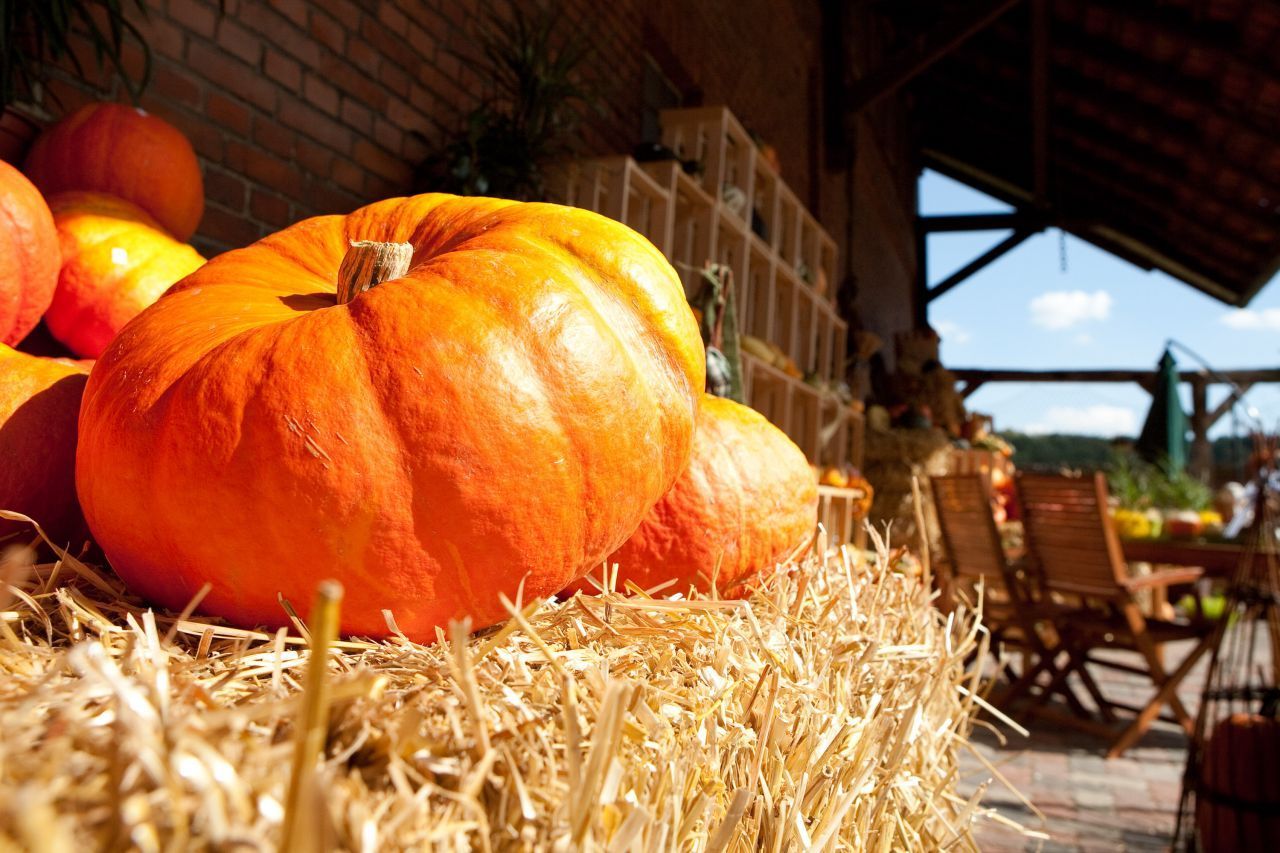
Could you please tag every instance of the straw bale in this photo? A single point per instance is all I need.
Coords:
(893, 459)
(825, 712)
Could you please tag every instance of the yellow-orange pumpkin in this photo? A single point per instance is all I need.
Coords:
(39, 406)
(747, 499)
(28, 255)
(504, 413)
(126, 152)
(116, 261)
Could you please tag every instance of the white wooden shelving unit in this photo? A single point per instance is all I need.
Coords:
(782, 281)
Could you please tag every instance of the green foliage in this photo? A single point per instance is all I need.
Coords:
(529, 119)
(36, 34)
(1138, 485)
(1058, 450)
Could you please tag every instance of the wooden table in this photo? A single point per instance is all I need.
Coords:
(1219, 559)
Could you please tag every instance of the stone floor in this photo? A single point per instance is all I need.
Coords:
(1084, 801)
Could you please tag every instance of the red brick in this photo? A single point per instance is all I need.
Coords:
(232, 76)
(266, 169)
(271, 136)
(357, 116)
(377, 188)
(225, 189)
(329, 32)
(354, 83)
(230, 229)
(239, 42)
(283, 70)
(294, 10)
(395, 79)
(163, 36)
(388, 135)
(194, 16)
(361, 54)
(227, 113)
(269, 208)
(421, 41)
(174, 85)
(391, 44)
(348, 175)
(390, 15)
(320, 94)
(310, 122)
(281, 32)
(323, 198)
(207, 139)
(314, 159)
(376, 160)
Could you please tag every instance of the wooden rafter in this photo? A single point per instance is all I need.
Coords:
(946, 35)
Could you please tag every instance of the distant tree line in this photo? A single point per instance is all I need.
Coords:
(1058, 450)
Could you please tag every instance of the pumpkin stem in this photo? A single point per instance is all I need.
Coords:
(368, 264)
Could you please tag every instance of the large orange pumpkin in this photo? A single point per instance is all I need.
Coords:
(747, 499)
(39, 406)
(503, 413)
(124, 151)
(28, 255)
(116, 261)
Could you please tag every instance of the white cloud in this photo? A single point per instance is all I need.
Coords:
(1266, 320)
(1061, 309)
(1099, 419)
(951, 332)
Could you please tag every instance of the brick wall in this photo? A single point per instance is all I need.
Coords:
(298, 108)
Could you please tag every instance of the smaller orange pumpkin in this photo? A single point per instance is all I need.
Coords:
(39, 410)
(124, 151)
(116, 261)
(1238, 798)
(746, 501)
(28, 255)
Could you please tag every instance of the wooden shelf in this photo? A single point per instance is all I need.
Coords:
(778, 278)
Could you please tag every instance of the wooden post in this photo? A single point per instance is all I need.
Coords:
(1201, 451)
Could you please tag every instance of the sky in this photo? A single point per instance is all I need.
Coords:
(1057, 302)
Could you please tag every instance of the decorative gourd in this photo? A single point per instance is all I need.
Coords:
(28, 255)
(124, 151)
(1238, 798)
(39, 406)
(116, 261)
(747, 499)
(501, 415)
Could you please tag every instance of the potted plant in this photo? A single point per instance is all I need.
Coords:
(529, 117)
(38, 36)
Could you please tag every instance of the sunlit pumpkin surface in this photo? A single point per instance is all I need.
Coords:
(39, 403)
(504, 414)
(747, 499)
(28, 255)
(116, 260)
(126, 152)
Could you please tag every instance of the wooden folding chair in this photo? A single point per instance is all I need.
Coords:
(974, 554)
(1074, 547)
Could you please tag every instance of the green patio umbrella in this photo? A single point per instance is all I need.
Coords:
(1164, 435)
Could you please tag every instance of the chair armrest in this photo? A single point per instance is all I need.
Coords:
(1165, 577)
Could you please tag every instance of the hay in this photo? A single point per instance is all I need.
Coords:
(826, 712)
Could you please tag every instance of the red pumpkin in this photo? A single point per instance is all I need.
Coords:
(116, 261)
(124, 151)
(28, 255)
(746, 501)
(503, 413)
(39, 406)
(1238, 800)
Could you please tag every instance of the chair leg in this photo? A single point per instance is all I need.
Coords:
(1166, 694)
(1104, 705)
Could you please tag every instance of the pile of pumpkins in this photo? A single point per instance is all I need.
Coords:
(441, 402)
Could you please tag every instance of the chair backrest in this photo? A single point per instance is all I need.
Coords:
(1069, 534)
(969, 534)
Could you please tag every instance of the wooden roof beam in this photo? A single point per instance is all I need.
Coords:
(996, 252)
(949, 33)
(1040, 100)
(1218, 377)
(952, 222)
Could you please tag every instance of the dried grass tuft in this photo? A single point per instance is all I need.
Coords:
(825, 712)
